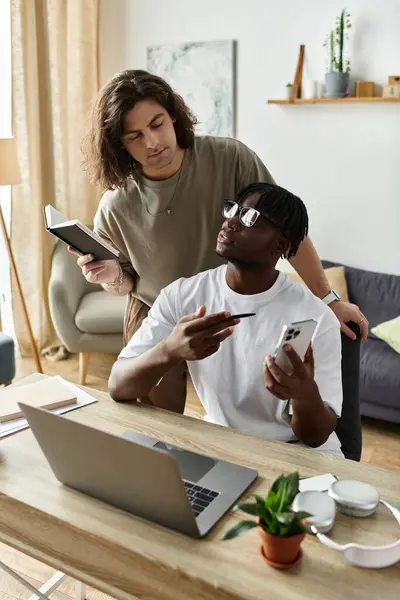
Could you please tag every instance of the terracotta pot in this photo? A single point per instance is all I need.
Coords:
(281, 551)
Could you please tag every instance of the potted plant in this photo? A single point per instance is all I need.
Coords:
(288, 90)
(337, 76)
(281, 529)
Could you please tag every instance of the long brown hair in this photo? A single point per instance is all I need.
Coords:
(106, 160)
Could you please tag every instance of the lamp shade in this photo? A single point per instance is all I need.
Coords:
(9, 170)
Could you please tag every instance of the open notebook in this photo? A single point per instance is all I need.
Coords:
(49, 393)
(77, 235)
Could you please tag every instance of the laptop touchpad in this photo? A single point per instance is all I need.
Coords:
(191, 466)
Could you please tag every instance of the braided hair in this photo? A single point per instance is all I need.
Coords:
(285, 211)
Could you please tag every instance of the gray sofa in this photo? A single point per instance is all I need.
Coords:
(378, 296)
(86, 318)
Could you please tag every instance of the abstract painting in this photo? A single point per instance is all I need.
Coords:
(204, 74)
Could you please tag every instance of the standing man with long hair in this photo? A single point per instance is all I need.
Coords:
(162, 208)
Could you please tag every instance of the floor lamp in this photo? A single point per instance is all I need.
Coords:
(9, 174)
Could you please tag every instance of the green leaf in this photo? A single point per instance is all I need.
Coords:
(275, 513)
(278, 483)
(275, 528)
(293, 488)
(280, 497)
(269, 515)
(272, 501)
(250, 508)
(302, 514)
(239, 528)
(272, 526)
(280, 491)
(259, 498)
(262, 510)
(286, 518)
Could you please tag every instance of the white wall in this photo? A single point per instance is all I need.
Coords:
(343, 160)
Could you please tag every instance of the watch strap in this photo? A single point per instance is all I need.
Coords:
(333, 295)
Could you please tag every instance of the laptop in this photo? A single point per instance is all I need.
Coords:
(176, 488)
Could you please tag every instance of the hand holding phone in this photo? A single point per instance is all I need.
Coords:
(298, 334)
(289, 374)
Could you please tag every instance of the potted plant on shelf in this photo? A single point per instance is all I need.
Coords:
(281, 529)
(337, 77)
(288, 90)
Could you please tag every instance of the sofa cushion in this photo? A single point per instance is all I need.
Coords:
(380, 374)
(389, 332)
(100, 312)
(376, 294)
(336, 279)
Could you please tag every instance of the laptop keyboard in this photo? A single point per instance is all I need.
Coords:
(199, 497)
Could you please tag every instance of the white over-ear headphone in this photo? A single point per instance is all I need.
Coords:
(372, 557)
(353, 498)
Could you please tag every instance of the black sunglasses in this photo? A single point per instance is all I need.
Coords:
(248, 216)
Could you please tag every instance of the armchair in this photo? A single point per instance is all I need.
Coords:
(86, 318)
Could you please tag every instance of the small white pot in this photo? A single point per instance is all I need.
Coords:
(310, 89)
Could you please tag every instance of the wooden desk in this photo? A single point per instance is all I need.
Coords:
(128, 557)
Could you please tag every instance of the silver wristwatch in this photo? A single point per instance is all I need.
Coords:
(333, 295)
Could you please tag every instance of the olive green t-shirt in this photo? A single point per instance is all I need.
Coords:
(168, 229)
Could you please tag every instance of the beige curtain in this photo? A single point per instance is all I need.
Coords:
(55, 79)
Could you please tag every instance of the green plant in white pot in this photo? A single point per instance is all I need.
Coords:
(337, 76)
(288, 90)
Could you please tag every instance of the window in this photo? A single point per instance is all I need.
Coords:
(5, 131)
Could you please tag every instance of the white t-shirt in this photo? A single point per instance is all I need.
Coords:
(230, 383)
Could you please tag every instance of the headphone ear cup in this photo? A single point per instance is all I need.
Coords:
(320, 506)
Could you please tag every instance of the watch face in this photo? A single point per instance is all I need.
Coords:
(336, 294)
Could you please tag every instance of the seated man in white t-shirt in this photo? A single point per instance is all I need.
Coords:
(230, 361)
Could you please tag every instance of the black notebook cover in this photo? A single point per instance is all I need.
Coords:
(78, 239)
(73, 233)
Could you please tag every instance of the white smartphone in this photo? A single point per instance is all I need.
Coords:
(298, 335)
(319, 483)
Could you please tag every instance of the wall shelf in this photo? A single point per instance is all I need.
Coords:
(348, 100)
